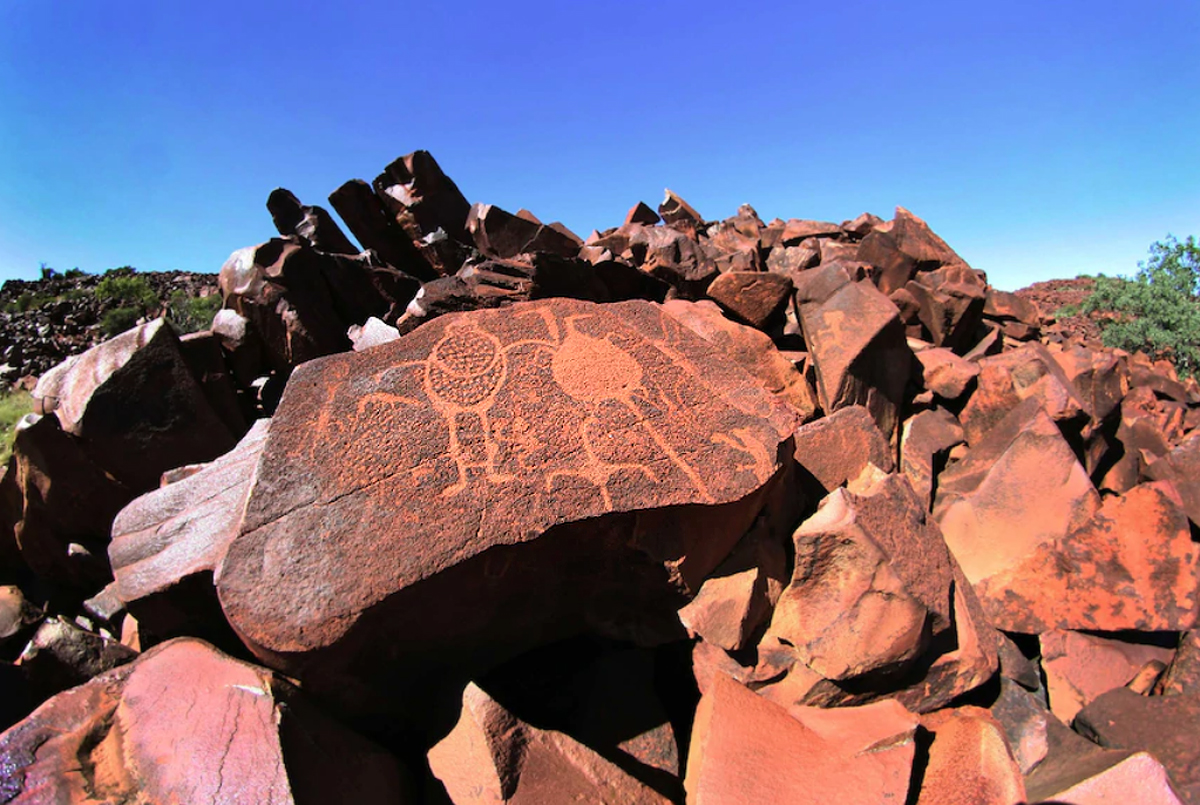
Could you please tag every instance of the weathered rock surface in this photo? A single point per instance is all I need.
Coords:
(167, 544)
(1081, 667)
(135, 406)
(522, 443)
(185, 723)
(1018, 489)
(1132, 566)
(857, 343)
(491, 756)
(1164, 726)
(745, 749)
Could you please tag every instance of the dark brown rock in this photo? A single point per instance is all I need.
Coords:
(754, 297)
(61, 655)
(501, 234)
(1081, 667)
(946, 374)
(901, 248)
(64, 498)
(491, 756)
(185, 723)
(1003, 305)
(678, 214)
(798, 229)
(313, 225)
(969, 761)
(950, 312)
(1009, 378)
(1017, 489)
(135, 406)
(641, 213)
(367, 219)
(745, 749)
(1164, 726)
(1024, 718)
(925, 441)
(857, 343)
(1078, 771)
(542, 448)
(1183, 673)
(422, 199)
(836, 449)
(752, 350)
(871, 584)
(1181, 468)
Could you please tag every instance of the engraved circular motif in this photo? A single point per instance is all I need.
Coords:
(466, 353)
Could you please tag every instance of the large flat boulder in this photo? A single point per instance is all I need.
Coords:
(503, 478)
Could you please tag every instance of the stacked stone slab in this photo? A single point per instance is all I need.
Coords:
(684, 511)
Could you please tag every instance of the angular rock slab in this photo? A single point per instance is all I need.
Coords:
(745, 749)
(135, 405)
(1018, 489)
(494, 480)
(1164, 726)
(185, 723)
(491, 756)
(857, 343)
(1080, 668)
(167, 543)
(969, 761)
(1132, 566)
(872, 583)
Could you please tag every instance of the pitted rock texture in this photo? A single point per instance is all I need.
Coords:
(612, 437)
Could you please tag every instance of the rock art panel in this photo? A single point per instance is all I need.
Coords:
(471, 438)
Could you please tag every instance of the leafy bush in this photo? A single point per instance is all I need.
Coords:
(191, 313)
(74, 273)
(119, 319)
(126, 290)
(1157, 311)
(13, 406)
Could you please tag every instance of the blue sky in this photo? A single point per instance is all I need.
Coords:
(1041, 140)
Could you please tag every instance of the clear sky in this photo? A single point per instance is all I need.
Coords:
(1040, 139)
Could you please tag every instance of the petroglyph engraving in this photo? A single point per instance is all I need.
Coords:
(461, 377)
(469, 369)
(595, 371)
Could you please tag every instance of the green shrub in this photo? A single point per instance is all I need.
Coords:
(28, 301)
(13, 406)
(126, 290)
(119, 319)
(74, 273)
(192, 313)
(1157, 311)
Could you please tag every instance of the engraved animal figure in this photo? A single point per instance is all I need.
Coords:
(594, 371)
(463, 374)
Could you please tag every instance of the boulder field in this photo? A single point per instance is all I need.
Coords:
(477, 510)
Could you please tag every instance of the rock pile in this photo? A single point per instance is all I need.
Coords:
(43, 322)
(714, 512)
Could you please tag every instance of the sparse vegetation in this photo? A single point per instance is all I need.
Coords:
(13, 406)
(1157, 311)
(191, 313)
(133, 296)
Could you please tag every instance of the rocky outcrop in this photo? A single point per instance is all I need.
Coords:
(685, 511)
